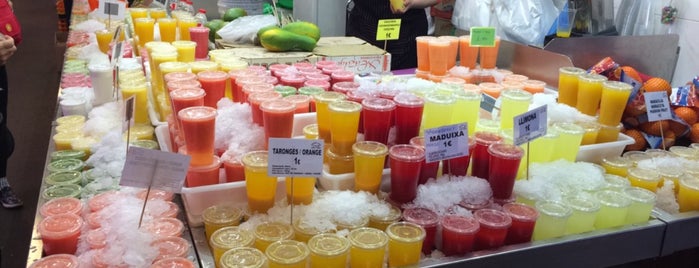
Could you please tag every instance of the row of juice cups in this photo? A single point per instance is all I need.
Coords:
(70, 260)
(437, 55)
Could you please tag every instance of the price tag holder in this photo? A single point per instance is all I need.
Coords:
(483, 36)
(658, 106)
(388, 29)
(530, 125)
(153, 168)
(295, 158)
(111, 9)
(446, 142)
(488, 103)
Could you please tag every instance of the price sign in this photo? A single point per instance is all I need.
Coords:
(488, 103)
(483, 36)
(295, 158)
(152, 168)
(388, 29)
(657, 105)
(530, 125)
(111, 9)
(446, 142)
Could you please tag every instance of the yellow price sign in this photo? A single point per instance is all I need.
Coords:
(483, 36)
(388, 29)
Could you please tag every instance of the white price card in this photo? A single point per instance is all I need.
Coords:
(657, 106)
(530, 125)
(295, 158)
(157, 169)
(446, 142)
(111, 9)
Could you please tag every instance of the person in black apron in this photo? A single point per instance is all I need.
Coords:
(364, 18)
(8, 198)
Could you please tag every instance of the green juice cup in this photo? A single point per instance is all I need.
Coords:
(614, 206)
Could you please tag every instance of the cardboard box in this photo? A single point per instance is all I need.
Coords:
(255, 55)
(354, 54)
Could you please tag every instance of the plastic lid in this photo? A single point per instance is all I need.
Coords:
(343, 225)
(370, 148)
(507, 151)
(690, 182)
(407, 153)
(418, 141)
(231, 237)
(422, 216)
(328, 244)
(592, 78)
(212, 75)
(568, 128)
(67, 154)
(173, 262)
(407, 99)
(520, 212)
(640, 195)
(460, 224)
(101, 200)
(298, 99)
(368, 238)
(197, 113)
(615, 181)
(255, 159)
(571, 70)
(171, 247)
(60, 226)
(554, 209)
(311, 91)
(616, 85)
(493, 219)
(643, 174)
(406, 232)
(378, 104)
(148, 144)
(222, 214)
(57, 260)
(304, 228)
(70, 164)
(581, 203)
(165, 227)
(96, 238)
(70, 190)
(345, 106)
(394, 214)
(64, 177)
(287, 252)
(612, 198)
(486, 138)
(61, 205)
(277, 105)
(243, 257)
(617, 161)
(273, 231)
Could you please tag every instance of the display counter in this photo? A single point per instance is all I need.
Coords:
(678, 230)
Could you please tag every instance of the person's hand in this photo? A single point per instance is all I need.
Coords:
(7, 49)
(399, 11)
(413, 4)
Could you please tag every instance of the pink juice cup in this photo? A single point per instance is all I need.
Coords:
(494, 225)
(278, 67)
(317, 83)
(377, 114)
(318, 76)
(179, 76)
(308, 71)
(292, 80)
(480, 157)
(186, 97)
(459, 166)
(303, 103)
(60, 233)
(271, 80)
(155, 194)
(523, 221)
(404, 161)
(241, 81)
(250, 88)
(259, 69)
(233, 167)
(458, 234)
(96, 238)
(61, 205)
(429, 220)
(214, 83)
(57, 260)
(278, 118)
(331, 69)
(204, 175)
(304, 65)
(503, 165)
(177, 84)
(101, 200)
(176, 262)
(200, 35)
(341, 76)
(427, 170)
(169, 247)
(164, 227)
(344, 87)
(408, 116)
(198, 126)
(256, 99)
(324, 64)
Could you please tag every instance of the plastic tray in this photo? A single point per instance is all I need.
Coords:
(594, 153)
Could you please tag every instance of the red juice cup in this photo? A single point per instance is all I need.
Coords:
(198, 125)
(303, 65)
(278, 118)
(427, 170)
(405, 161)
(60, 233)
(377, 118)
(185, 98)
(274, 68)
(307, 71)
(493, 228)
(480, 157)
(57, 260)
(458, 234)
(303, 103)
(429, 220)
(318, 76)
(256, 99)
(179, 76)
(503, 165)
(164, 227)
(358, 97)
(389, 93)
(458, 166)
(61, 205)
(331, 69)
(177, 84)
(214, 83)
(271, 80)
(233, 168)
(324, 64)
(322, 101)
(178, 262)
(311, 91)
(341, 76)
(325, 85)
(523, 221)
(204, 175)
(200, 35)
(241, 81)
(344, 87)
(155, 194)
(169, 247)
(259, 69)
(254, 88)
(292, 80)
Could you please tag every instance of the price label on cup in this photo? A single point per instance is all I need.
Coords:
(388, 29)
(446, 142)
(483, 36)
(156, 169)
(657, 106)
(530, 125)
(295, 158)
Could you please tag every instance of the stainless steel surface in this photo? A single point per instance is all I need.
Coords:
(533, 62)
(206, 257)
(655, 55)
(681, 230)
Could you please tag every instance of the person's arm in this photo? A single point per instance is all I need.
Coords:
(7, 48)
(415, 4)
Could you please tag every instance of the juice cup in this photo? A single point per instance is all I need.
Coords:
(534, 86)
(214, 83)
(104, 38)
(218, 216)
(57, 260)
(589, 93)
(338, 163)
(591, 129)
(615, 94)
(368, 247)
(183, 25)
(65, 165)
(259, 186)
(568, 143)
(170, 247)
(63, 205)
(642, 202)
(453, 49)
(584, 212)
(344, 87)
(164, 227)
(251, 85)
(257, 98)
(617, 165)
(542, 148)
(615, 182)
(60, 233)
(168, 29)
(63, 178)
(381, 222)
(458, 234)
(278, 118)
(328, 250)
(179, 262)
(292, 80)
(492, 89)
(493, 228)
(228, 238)
(185, 50)
(143, 27)
(203, 65)
(458, 166)
(645, 178)
(186, 97)
(423, 52)
(688, 194)
(489, 55)
(553, 219)
(233, 168)
(428, 220)
(285, 90)
(467, 53)
(57, 191)
(568, 85)
(467, 109)
(369, 158)
(140, 93)
(269, 232)
(404, 243)
(523, 221)
(322, 100)
(684, 152)
(408, 116)
(310, 131)
(325, 85)
(342, 224)
(311, 91)
(243, 257)
(344, 122)
(287, 253)
(377, 115)
(303, 231)
(138, 12)
(427, 170)
(609, 133)
(405, 161)
(198, 127)
(503, 164)
(481, 157)
(614, 206)
(303, 188)
(514, 103)
(438, 110)
(200, 35)
(303, 102)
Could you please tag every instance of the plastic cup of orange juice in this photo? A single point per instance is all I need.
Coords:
(369, 158)
(615, 94)
(368, 247)
(423, 58)
(489, 55)
(468, 54)
(328, 250)
(439, 52)
(260, 187)
(568, 85)
(589, 93)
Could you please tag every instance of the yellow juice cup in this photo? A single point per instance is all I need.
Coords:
(645, 178)
(589, 93)
(328, 250)
(183, 25)
(203, 65)
(488, 125)
(344, 123)
(259, 186)
(382, 222)
(228, 238)
(303, 189)
(243, 257)
(617, 165)
(322, 101)
(568, 143)
(583, 217)
(613, 209)
(688, 194)
(185, 50)
(642, 202)
(514, 103)
(218, 216)
(288, 254)
(303, 232)
(542, 148)
(144, 29)
(591, 132)
(615, 182)
(467, 109)
(168, 29)
(140, 92)
(104, 38)
(608, 133)
(159, 55)
(63, 141)
(615, 94)
(71, 120)
(337, 163)
(437, 111)
(636, 156)
(368, 247)
(349, 226)
(142, 131)
(685, 152)
(670, 175)
(552, 221)
(404, 243)
(369, 158)
(310, 131)
(157, 13)
(568, 85)
(269, 232)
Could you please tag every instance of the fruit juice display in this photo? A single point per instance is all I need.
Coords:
(568, 143)
(57, 260)
(438, 110)
(493, 228)
(369, 158)
(467, 53)
(523, 221)
(568, 85)
(322, 100)
(267, 233)
(642, 202)
(534, 86)
(404, 161)
(214, 83)
(368, 247)
(404, 243)
(264, 94)
(615, 94)
(591, 129)
(381, 222)
(589, 93)
(584, 212)
(143, 27)
(492, 89)
(408, 116)
(302, 191)
(63, 178)
(688, 194)
(200, 35)
(140, 92)
(183, 25)
(218, 216)
(203, 65)
(328, 250)
(489, 55)
(338, 163)
(63, 205)
(552, 221)
(423, 52)
(458, 234)
(481, 158)
(60, 233)
(613, 209)
(503, 164)
(227, 238)
(438, 50)
(198, 127)
(428, 220)
(185, 50)
(302, 102)
(616, 165)
(514, 103)
(458, 166)
(310, 131)
(278, 117)
(344, 122)
(643, 177)
(168, 29)
(259, 186)
(243, 256)
(104, 38)
(377, 115)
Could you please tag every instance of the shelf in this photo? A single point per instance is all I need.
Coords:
(679, 231)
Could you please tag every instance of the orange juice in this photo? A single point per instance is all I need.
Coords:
(269, 232)
(644, 178)
(137, 12)
(157, 13)
(688, 195)
(322, 101)
(228, 238)
(369, 158)
(589, 93)
(404, 243)
(168, 29)
(534, 86)
(259, 186)
(302, 191)
(423, 56)
(144, 29)
(183, 25)
(453, 49)
(489, 55)
(140, 92)
(287, 254)
(344, 123)
(439, 54)
(368, 247)
(492, 89)
(468, 54)
(591, 132)
(328, 250)
(303, 231)
(568, 85)
(617, 165)
(243, 256)
(219, 216)
(104, 37)
(185, 50)
(615, 94)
